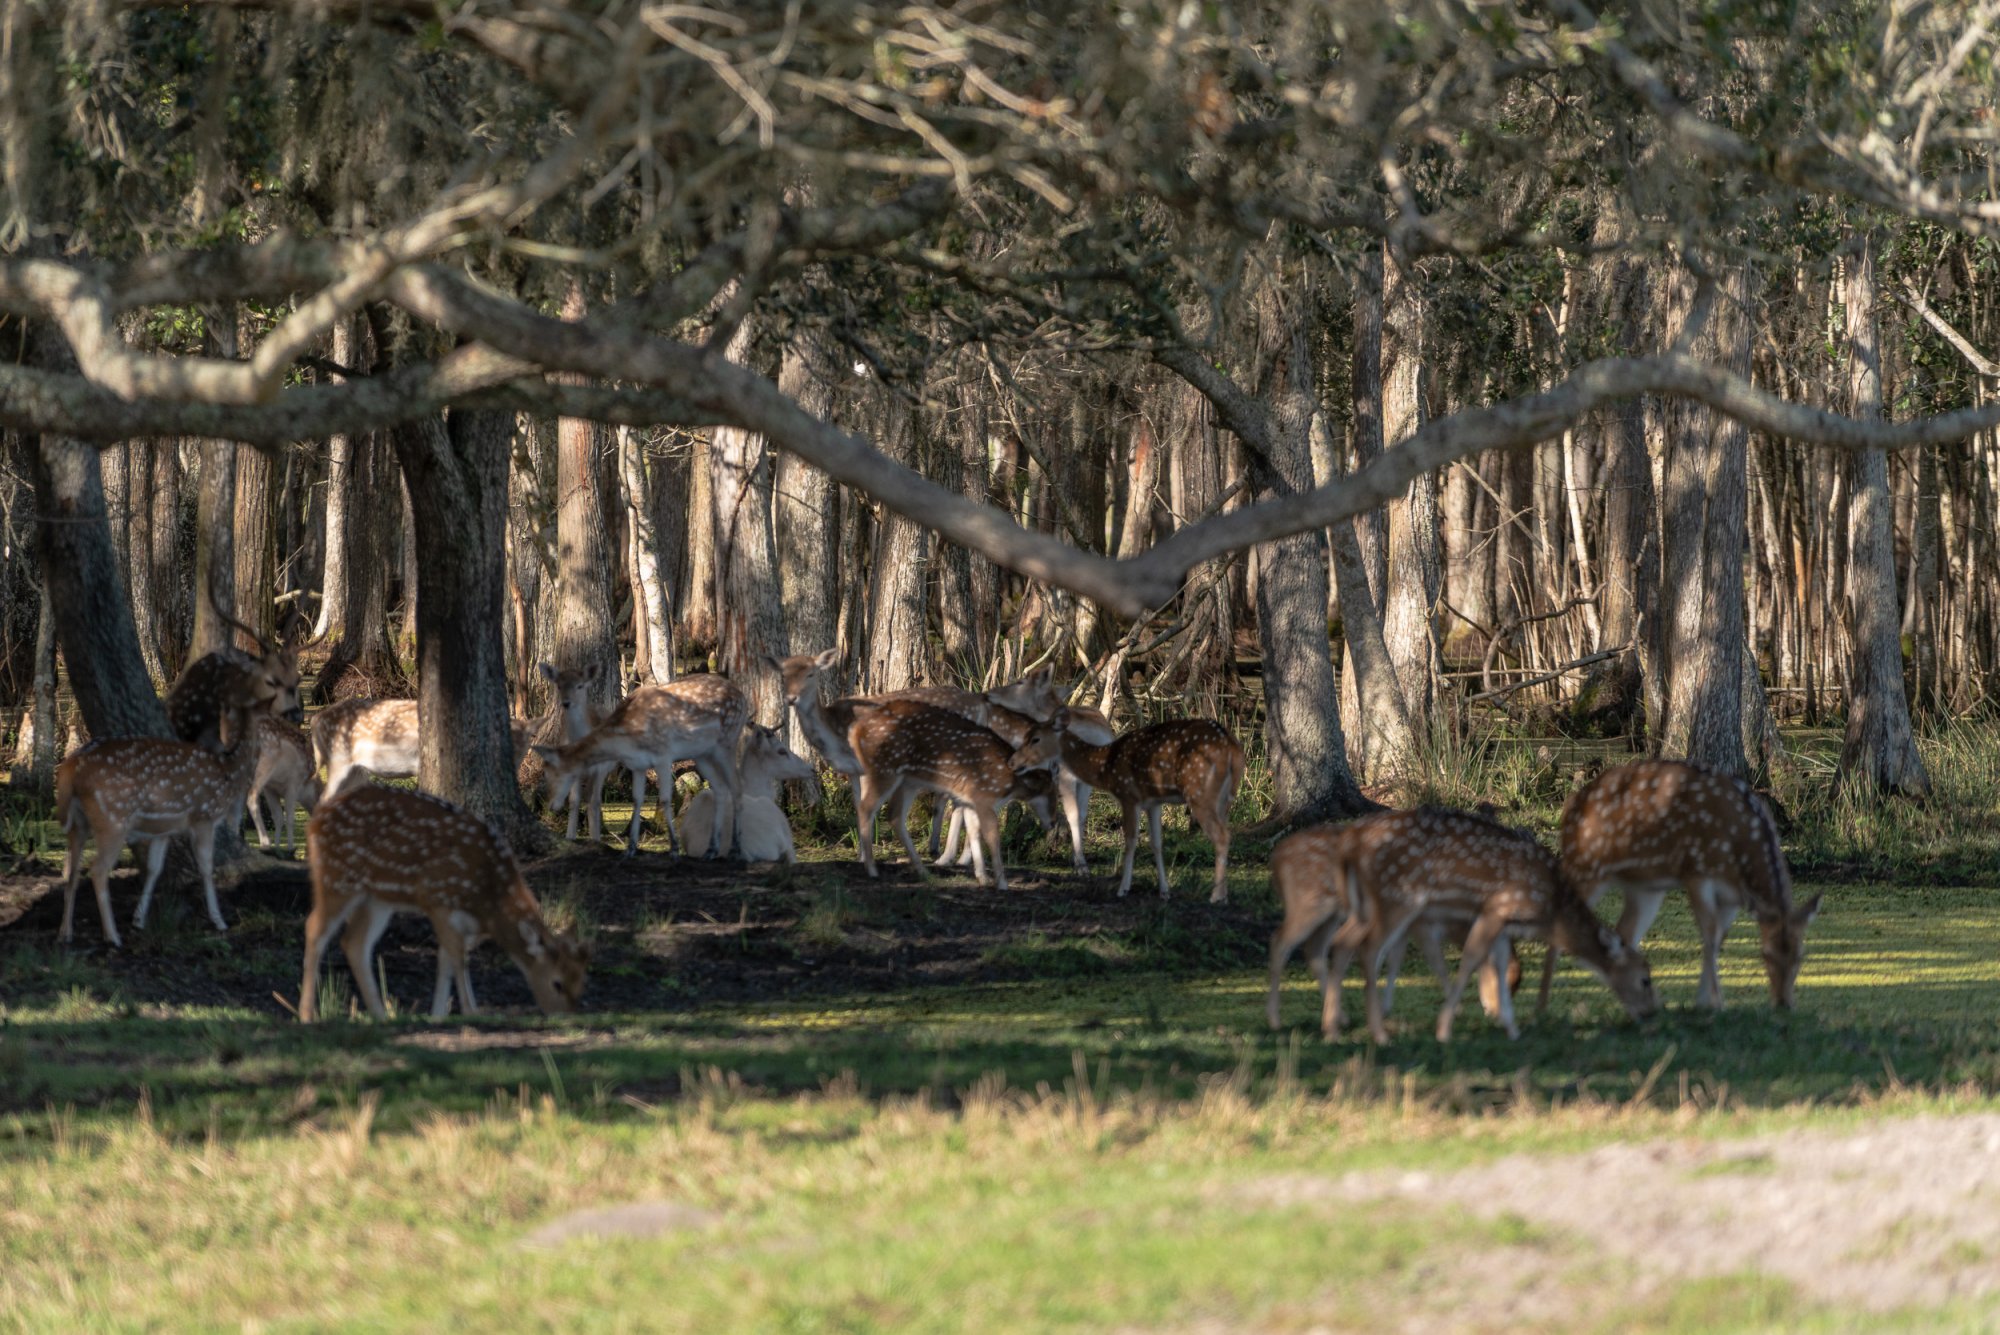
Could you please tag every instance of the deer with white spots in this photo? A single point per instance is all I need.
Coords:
(1498, 883)
(376, 852)
(1657, 824)
(698, 718)
(1194, 761)
(1039, 785)
(151, 788)
(197, 702)
(906, 748)
(285, 779)
(382, 737)
(1035, 697)
(757, 826)
(576, 698)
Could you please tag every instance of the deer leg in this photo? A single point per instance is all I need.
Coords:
(987, 818)
(363, 931)
(110, 843)
(938, 803)
(446, 973)
(1214, 823)
(320, 927)
(1159, 853)
(1715, 920)
(72, 870)
(1289, 936)
(1388, 946)
(1076, 808)
(906, 796)
(954, 840)
(1131, 813)
(1642, 906)
(257, 819)
(639, 807)
(866, 803)
(156, 858)
(203, 839)
(1352, 936)
(1479, 943)
(595, 807)
(723, 832)
(1548, 978)
(575, 812)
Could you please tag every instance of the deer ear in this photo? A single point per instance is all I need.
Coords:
(825, 661)
(773, 662)
(547, 670)
(531, 936)
(1806, 912)
(593, 672)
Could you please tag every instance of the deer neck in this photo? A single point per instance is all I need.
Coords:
(1084, 760)
(239, 762)
(825, 724)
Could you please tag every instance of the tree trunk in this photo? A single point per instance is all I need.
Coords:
(458, 490)
(749, 609)
(1702, 505)
(340, 494)
(650, 590)
(1408, 627)
(896, 656)
(807, 517)
(359, 661)
(139, 560)
(215, 551)
(586, 634)
(37, 760)
(171, 602)
(1880, 748)
(256, 544)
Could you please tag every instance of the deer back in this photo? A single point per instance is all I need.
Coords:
(1163, 759)
(198, 700)
(934, 746)
(1455, 863)
(380, 734)
(1666, 820)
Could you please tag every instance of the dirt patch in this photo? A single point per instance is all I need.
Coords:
(1904, 1213)
(639, 1219)
(669, 934)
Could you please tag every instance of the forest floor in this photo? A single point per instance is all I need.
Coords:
(797, 1099)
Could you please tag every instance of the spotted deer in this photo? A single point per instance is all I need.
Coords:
(698, 718)
(376, 852)
(757, 826)
(1040, 784)
(1656, 824)
(285, 779)
(576, 698)
(1315, 874)
(1497, 880)
(150, 788)
(381, 737)
(1194, 761)
(906, 748)
(1035, 697)
(195, 702)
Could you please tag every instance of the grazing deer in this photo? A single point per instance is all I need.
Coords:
(196, 701)
(149, 788)
(758, 825)
(1035, 696)
(1194, 761)
(1315, 873)
(376, 852)
(379, 736)
(696, 718)
(1649, 826)
(1012, 728)
(1498, 881)
(906, 748)
(576, 690)
(285, 779)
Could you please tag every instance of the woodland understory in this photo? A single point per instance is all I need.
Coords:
(1365, 377)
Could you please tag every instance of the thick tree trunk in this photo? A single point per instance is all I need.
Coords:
(698, 590)
(44, 747)
(139, 560)
(1415, 571)
(896, 656)
(458, 489)
(170, 600)
(1630, 558)
(1928, 695)
(1702, 504)
(215, 551)
(586, 634)
(360, 661)
(256, 544)
(656, 647)
(807, 515)
(340, 494)
(1880, 749)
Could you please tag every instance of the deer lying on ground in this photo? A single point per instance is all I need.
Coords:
(1315, 874)
(1035, 697)
(698, 718)
(379, 736)
(576, 690)
(757, 826)
(1194, 761)
(1656, 824)
(196, 701)
(150, 788)
(376, 852)
(284, 779)
(1405, 865)
(906, 748)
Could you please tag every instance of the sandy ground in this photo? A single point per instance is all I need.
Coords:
(1906, 1212)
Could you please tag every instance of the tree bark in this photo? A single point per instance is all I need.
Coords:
(750, 621)
(146, 619)
(807, 517)
(215, 550)
(586, 634)
(256, 544)
(896, 656)
(1879, 751)
(1702, 503)
(649, 586)
(360, 661)
(1415, 571)
(340, 494)
(457, 478)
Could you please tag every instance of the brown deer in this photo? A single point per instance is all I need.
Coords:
(196, 701)
(379, 736)
(150, 788)
(1040, 785)
(1194, 761)
(1035, 697)
(285, 779)
(1401, 867)
(698, 718)
(905, 748)
(576, 691)
(376, 852)
(1656, 824)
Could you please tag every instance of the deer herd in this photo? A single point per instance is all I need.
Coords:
(1365, 888)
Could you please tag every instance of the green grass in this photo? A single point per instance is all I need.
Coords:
(1068, 1142)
